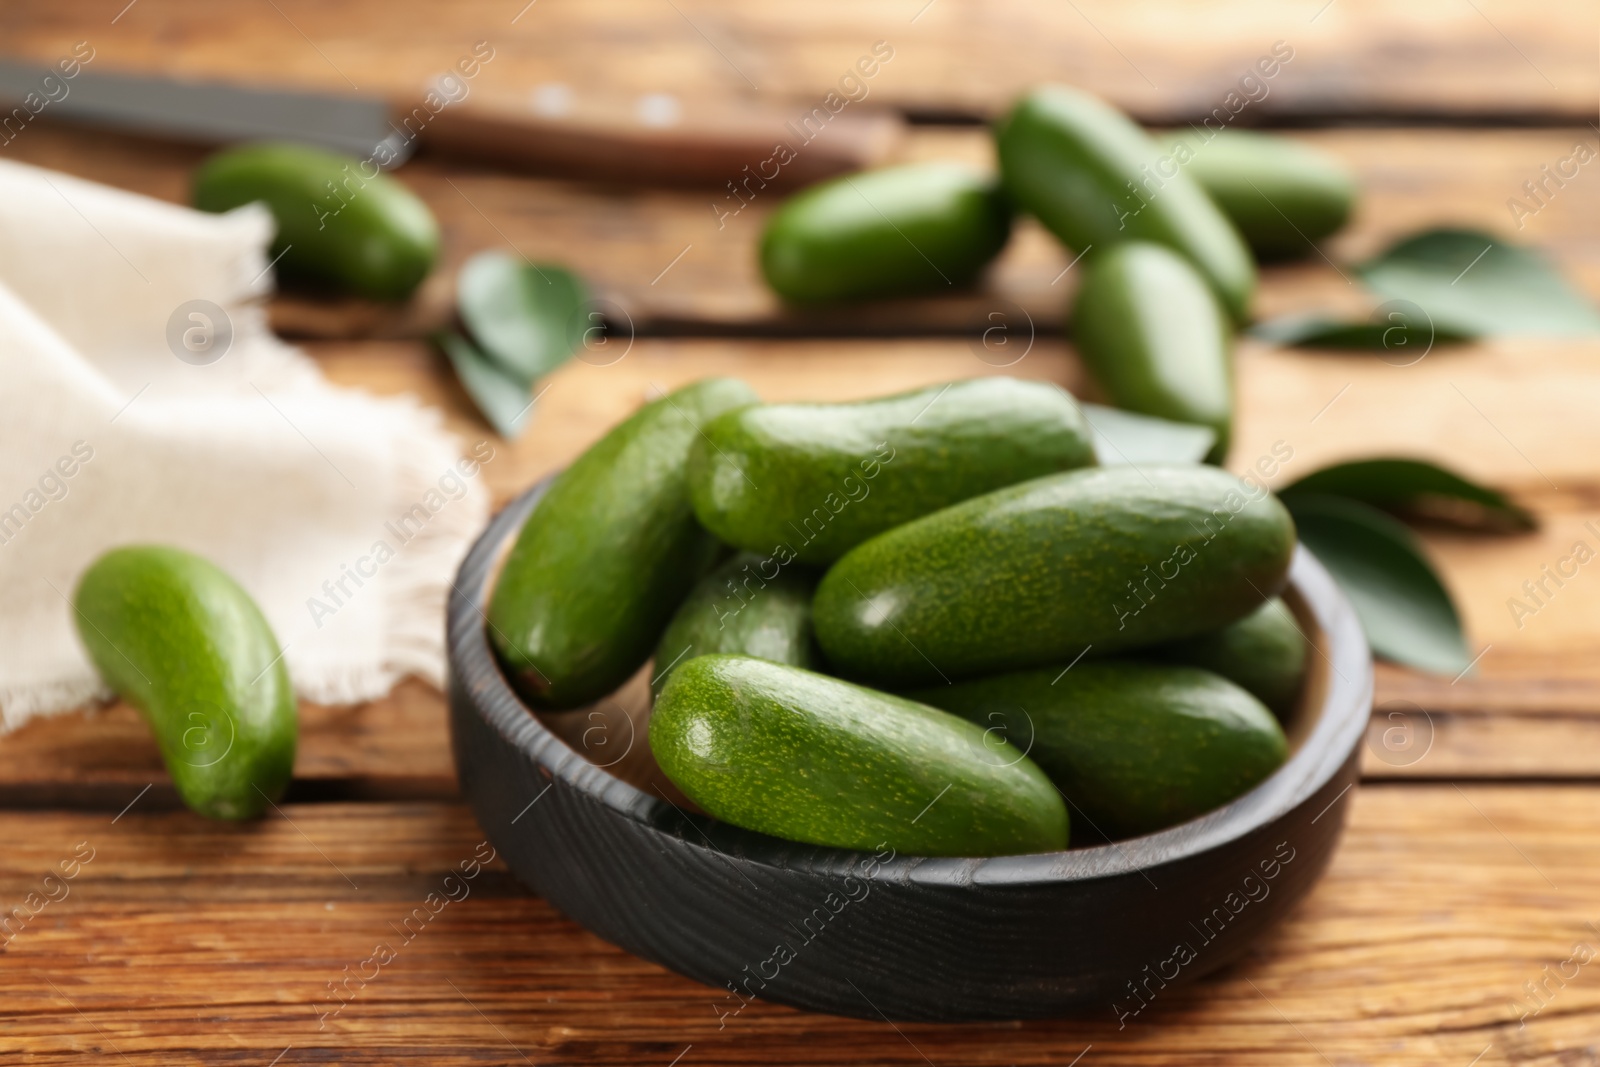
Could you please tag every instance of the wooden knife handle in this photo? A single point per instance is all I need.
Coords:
(658, 139)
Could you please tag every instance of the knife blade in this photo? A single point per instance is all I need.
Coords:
(654, 138)
(205, 111)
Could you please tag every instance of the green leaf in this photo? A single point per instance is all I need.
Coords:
(1398, 327)
(1418, 487)
(1129, 437)
(1403, 606)
(504, 399)
(527, 317)
(1470, 282)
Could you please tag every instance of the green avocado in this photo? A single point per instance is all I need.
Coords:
(1155, 338)
(344, 225)
(752, 605)
(802, 756)
(1264, 652)
(1282, 196)
(1095, 179)
(918, 228)
(178, 639)
(607, 555)
(1134, 747)
(1101, 560)
(812, 481)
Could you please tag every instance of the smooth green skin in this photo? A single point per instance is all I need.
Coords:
(919, 228)
(1281, 195)
(1264, 653)
(1068, 157)
(751, 605)
(806, 757)
(1112, 558)
(607, 555)
(1155, 338)
(178, 639)
(818, 479)
(1135, 747)
(380, 244)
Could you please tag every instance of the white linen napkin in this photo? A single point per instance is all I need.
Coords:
(343, 514)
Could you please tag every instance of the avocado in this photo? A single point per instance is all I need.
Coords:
(1103, 560)
(813, 759)
(1134, 747)
(1095, 179)
(752, 605)
(1281, 195)
(178, 639)
(814, 480)
(607, 555)
(1264, 652)
(344, 226)
(1155, 338)
(917, 228)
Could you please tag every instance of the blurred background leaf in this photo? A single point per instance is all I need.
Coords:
(1470, 282)
(1404, 608)
(504, 399)
(527, 317)
(1415, 487)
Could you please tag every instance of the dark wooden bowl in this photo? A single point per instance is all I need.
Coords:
(1103, 929)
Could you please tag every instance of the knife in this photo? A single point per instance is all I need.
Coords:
(655, 138)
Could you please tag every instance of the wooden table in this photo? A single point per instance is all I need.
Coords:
(1454, 925)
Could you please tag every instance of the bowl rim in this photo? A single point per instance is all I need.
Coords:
(1340, 723)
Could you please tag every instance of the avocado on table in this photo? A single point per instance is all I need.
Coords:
(752, 605)
(1095, 179)
(1135, 747)
(344, 226)
(1281, 195)
(1155, 338)
(916, 228)
(813, 759)
(1098, 560)
(178, 639)
(607, 555)
(811, 481)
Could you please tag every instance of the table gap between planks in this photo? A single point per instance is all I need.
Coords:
(1465, 873)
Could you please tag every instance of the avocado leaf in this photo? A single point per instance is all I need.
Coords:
(527, 317)
(1415, 486)
(1404, 608)
(1392, 328)
(503, 399)
(1470, 282)
(1129, 437)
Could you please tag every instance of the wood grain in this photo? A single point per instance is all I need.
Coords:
(187, 941)
(1158, 58)
(1440, 904)
(685, 262)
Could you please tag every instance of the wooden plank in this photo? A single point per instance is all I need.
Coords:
(682, 261)
(398, 747)
(1439, 906)
(1530, 709)
(1159, 58)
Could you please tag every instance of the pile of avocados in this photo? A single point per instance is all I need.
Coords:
(930, 621)
(1168, 231)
